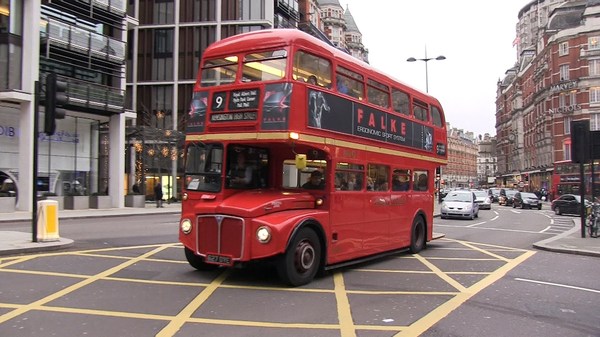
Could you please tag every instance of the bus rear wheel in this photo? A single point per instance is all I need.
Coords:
(417, 235)
(198, 261)
(301, 261)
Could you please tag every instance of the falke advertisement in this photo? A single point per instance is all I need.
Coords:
(334, 113)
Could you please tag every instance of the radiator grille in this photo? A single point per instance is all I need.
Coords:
(221, 234)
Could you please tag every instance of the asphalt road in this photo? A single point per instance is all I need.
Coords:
(128, 276)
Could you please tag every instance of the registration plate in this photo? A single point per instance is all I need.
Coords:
(223, 260)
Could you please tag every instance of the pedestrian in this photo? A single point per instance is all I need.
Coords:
(158, 195)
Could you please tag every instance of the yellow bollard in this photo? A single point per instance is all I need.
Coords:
(47, 222)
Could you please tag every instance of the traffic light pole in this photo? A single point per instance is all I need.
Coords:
(36, 117)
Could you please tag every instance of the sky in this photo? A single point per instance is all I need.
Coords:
(475, 36)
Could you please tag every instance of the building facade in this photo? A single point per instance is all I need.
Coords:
(487, 166)
(130, 67)
(461, 170)
(83, 43)
(555, 81)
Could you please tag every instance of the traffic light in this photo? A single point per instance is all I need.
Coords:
(56, 97)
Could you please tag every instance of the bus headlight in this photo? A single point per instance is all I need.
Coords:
(184, 197)
(186, 226)
(263, 234)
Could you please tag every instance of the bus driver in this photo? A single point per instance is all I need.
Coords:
(241, 173)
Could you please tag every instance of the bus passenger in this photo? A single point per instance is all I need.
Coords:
(315, 182)
(422, 182)
(400, 181)
(342, 85)
(312, 79)
(370, 184)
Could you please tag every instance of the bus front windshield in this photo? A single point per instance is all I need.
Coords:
(203, 167)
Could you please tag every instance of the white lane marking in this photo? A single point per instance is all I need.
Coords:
(476, 224)
(559, 285)
(491, 229)
(545, 229)
(496, 217)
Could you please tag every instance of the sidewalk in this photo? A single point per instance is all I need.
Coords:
(12, 242)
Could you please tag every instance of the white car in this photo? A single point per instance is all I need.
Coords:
(459, 204)
(483, 199)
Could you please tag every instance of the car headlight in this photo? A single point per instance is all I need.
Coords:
(469, 207)
(186, 226)
(263, 234)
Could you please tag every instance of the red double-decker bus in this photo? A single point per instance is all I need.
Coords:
(566, 179)
(301, 155)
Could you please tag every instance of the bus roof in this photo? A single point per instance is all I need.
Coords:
(273, 38)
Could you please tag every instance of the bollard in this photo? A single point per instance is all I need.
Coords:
(47, 224)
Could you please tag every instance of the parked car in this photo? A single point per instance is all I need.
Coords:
(459, 204)
(494, 193)
(568, 204)
(483, 199)
(526, 200)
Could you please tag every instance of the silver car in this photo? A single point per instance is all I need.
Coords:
(459, 204)
(483, 199)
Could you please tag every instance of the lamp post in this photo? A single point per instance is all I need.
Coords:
(426, 60)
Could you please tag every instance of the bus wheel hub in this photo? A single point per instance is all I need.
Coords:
(305, 256)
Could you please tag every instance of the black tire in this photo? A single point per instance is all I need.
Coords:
(301, 260)
(540, 207)
(557, 210)
(198, 261)
(418, 235)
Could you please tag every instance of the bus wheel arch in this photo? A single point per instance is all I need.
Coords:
(418, 234)
(304, 255)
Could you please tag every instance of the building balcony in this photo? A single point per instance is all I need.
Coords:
(334, 22)
(311, 29)
(116, 7)
(289, 8)
(84, 42)
(92, 97)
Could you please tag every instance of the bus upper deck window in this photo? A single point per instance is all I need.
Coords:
(400, 102)
(310, 68)
(264, 66)
(219, 71)
(436, 115)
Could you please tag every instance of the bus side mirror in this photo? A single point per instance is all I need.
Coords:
(300, 161)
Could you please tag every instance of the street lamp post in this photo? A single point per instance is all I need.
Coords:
(426, 60)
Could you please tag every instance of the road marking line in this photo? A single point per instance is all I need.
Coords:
(437, 314)
(441, 274)
(347, 327)
(492, 229)
(559, 285)
(545, 229)
(476, 224)
(177, 322)
(39, 303)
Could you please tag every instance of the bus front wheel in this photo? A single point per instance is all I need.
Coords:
(300, 262)
(197, 261)
(417, 235)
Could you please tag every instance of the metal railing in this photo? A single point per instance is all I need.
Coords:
(85, 41)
